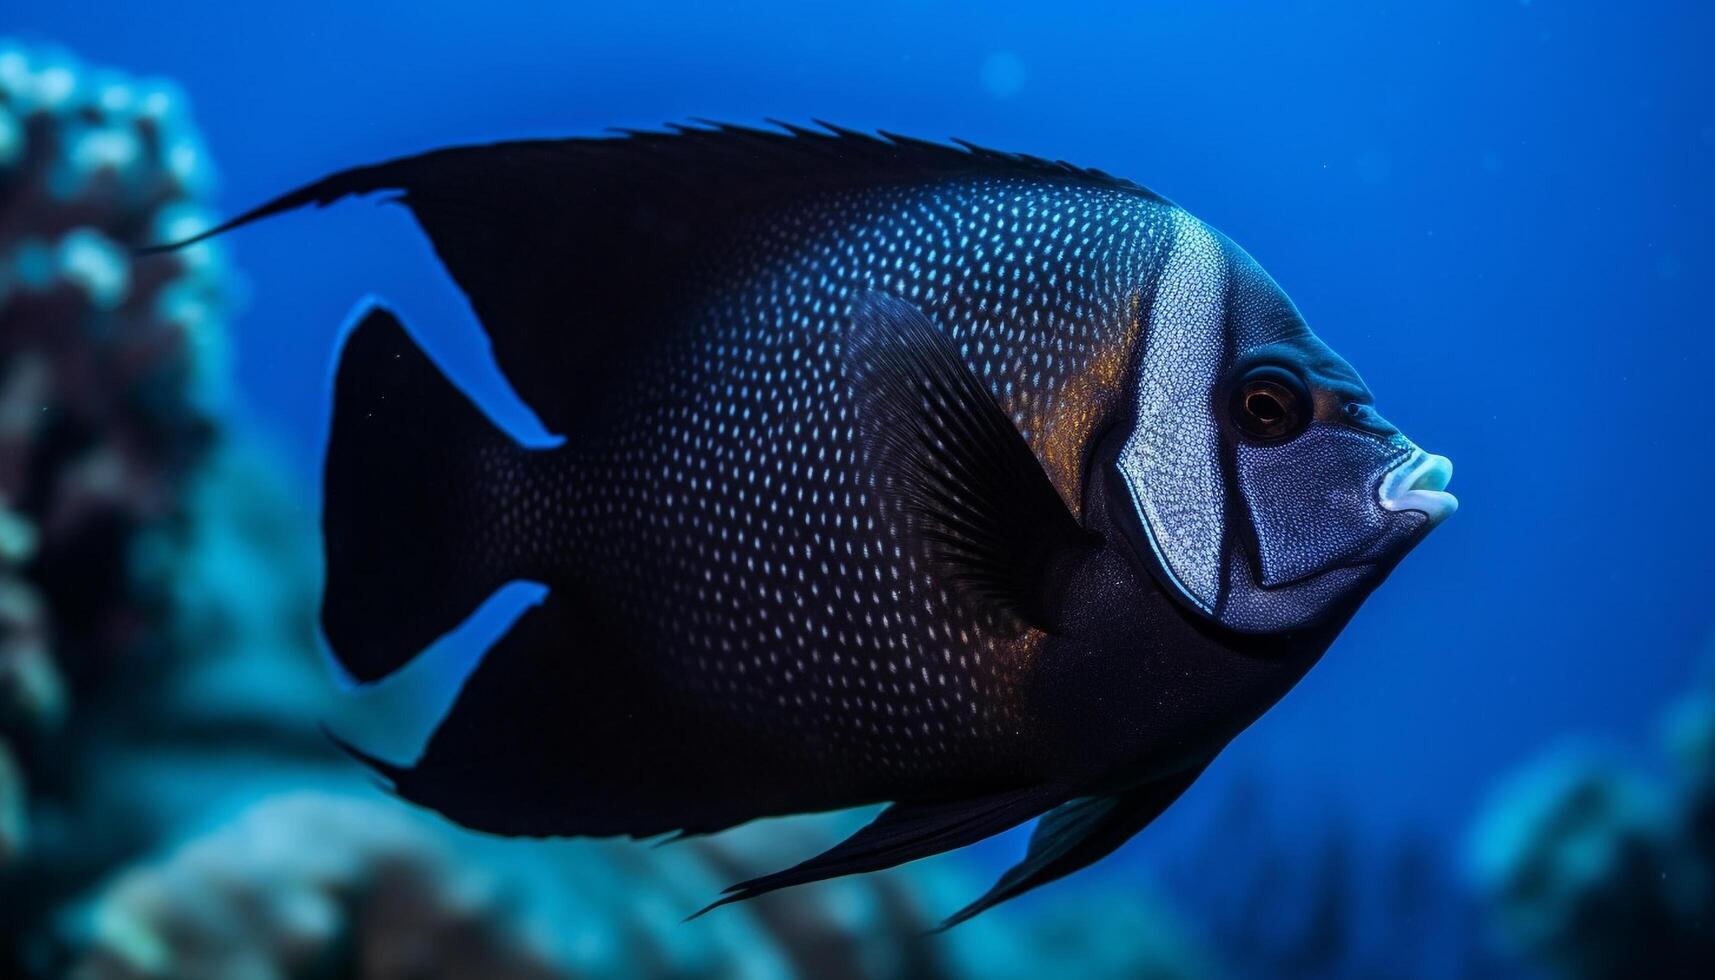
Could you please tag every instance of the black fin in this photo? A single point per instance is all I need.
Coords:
(964, 473)
(561, 245)
(410, 546)
(383, 769)
(1077, 835)
(905, 832)
(566, 727)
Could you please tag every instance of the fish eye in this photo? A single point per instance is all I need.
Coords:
(1270, 403)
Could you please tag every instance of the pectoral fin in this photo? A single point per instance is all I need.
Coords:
(1079, 833)
(965, 476)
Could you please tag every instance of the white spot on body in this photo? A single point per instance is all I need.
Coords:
(731, 510)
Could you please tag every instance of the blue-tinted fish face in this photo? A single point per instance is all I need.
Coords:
(1269, 492)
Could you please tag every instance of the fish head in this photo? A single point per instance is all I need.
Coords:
(1267, 491)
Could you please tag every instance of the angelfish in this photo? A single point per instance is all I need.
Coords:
(981, 485)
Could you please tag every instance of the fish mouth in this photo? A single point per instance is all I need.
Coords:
(1420, 483)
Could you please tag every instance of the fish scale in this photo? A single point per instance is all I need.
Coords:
(730, 507)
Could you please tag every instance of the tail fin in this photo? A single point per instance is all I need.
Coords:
(413, 490)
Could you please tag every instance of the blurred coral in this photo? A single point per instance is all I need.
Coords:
(1596, 868)
(1309, 896)
(313, 884)
(298, 884)
(105, 365)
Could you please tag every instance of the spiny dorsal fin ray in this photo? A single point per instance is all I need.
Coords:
(789, 150)
(562, 246)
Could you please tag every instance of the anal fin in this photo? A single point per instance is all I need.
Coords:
(905, 832)
(1079, 833)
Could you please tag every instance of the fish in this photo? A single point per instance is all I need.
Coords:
(976, 484)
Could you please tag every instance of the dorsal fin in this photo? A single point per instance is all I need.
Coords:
(570, 250)
(697, 155)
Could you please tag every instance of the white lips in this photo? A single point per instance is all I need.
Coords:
(1420, 484)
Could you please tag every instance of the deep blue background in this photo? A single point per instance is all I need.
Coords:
(1500, 212)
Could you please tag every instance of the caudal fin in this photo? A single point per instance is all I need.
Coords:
(414, 494)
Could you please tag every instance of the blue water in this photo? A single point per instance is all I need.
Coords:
(1500, 212)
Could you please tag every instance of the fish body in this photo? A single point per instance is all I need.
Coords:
(891, 472)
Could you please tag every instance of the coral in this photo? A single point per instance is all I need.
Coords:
(325, 885)
(1690, 735)
(1597, 868)
(305, 885)
(1313, 897)
(132, 530)
(1574, 857)
(105, 401)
